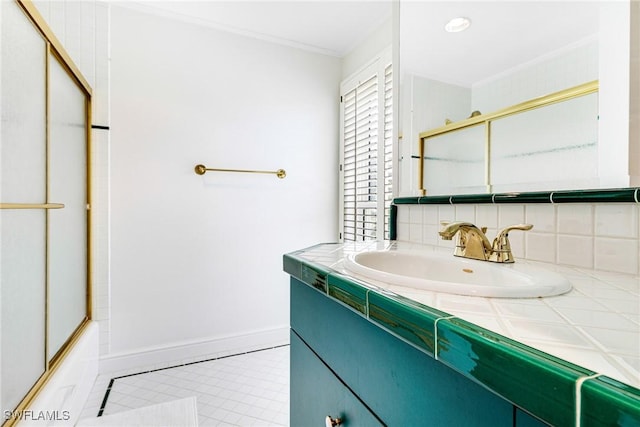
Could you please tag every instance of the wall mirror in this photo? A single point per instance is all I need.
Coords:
(511, 53)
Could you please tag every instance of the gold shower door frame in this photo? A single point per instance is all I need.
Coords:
(55, 51)
(486, 120)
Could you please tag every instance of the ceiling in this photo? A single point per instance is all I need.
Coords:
(331, 27)
(503, 34)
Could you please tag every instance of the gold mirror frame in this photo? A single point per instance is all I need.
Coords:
(488, 118)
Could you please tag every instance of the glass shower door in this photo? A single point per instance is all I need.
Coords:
(67, 242)
(44, 203)
(23, 161)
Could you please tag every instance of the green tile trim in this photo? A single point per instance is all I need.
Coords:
(314, 277)
(311, 274)
(291, 265)
(532, 380)
(292, 262)
(405, 201)
(423, 200)
(533, 197)
(345, 291)
(607, 402)
(393, 220)
(411, 323)
(608, 195)
(434, 200)
(471, 198)
(596, 196)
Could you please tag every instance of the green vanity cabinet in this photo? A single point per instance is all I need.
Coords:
(378, 374)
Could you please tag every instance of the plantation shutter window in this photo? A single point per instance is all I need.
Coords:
(366, 154)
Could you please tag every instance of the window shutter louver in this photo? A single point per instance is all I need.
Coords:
(349, 166)
(388, 146)
(367, 159)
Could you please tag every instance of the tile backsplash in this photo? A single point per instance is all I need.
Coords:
(598, 236)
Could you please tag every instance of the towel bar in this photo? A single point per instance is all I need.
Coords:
(202, 169)
(31, 205)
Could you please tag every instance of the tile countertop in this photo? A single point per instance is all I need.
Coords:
(594, 326)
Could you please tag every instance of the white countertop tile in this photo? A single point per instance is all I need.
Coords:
(596, 325)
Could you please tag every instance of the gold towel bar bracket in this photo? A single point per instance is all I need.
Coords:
(202, 169)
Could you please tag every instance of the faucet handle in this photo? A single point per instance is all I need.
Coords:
(501, 245)
(524, 227)
(445, 223)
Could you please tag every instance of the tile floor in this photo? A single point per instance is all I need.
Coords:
(250, 389)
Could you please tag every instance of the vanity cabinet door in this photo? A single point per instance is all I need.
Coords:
(318, 393)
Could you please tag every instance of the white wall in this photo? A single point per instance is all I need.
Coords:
(564, 68)
(634, 97)
(425, 104)
(200, 258)
(362, 55)
(614, 143)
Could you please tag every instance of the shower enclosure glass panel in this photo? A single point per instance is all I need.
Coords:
(67, 243)
(540, 148)
(22, 180)
(455, 160)
(22, 256)
(24, 109)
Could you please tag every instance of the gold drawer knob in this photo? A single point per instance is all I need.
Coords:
(331, 422)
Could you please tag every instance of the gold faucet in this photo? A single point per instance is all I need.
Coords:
(473, 243)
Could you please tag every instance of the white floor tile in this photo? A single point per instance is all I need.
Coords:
(249, 389)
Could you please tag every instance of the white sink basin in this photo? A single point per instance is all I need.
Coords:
(455, 275)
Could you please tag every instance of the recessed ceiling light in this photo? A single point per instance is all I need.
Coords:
(457, 24)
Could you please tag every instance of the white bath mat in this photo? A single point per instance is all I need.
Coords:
(177, 413)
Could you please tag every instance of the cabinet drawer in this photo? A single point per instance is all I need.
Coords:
(317, 392)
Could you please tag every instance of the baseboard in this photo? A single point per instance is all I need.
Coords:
(185, 352)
